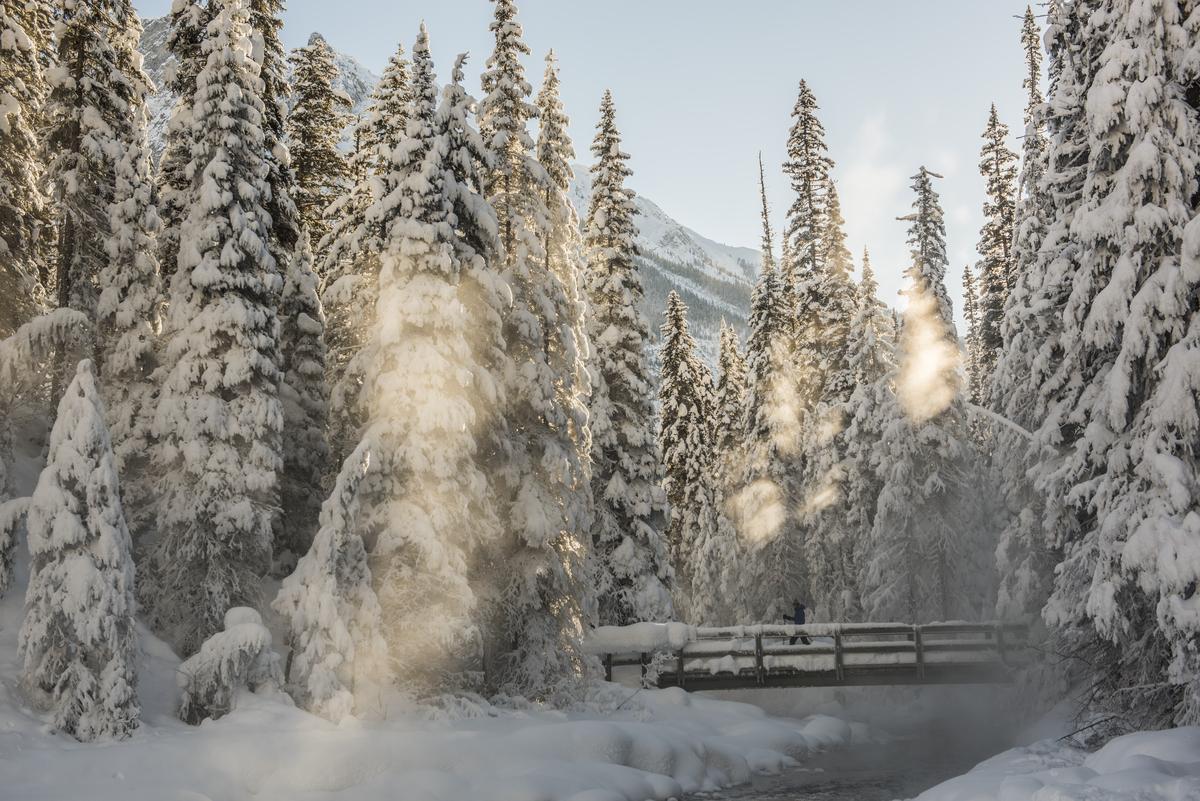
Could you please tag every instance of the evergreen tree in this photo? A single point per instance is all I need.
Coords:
(428, 506)
(685, 441)
(24, 216)
(837, 303)
(94, 94)
(335, 624)
(975, 377)
(998, 165)
(762, 505)
(925, 562)
(1034, 207)
(78, 643)
(314, 127)
(128, 304)
(189, 22)
(350, 263)
(872, 362)
(1127, 402)
(302, 392)
(730, 412)
(634, 572)
(547, 513)
(808, 167)
(219, 418)
(768, 238)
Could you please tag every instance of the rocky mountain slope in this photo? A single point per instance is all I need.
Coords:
(713, 279)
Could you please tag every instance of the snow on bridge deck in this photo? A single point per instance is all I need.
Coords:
(836, 654)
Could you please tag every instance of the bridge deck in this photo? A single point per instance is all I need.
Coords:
(835, 655)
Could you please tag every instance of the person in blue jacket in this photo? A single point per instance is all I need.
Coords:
(797, 617)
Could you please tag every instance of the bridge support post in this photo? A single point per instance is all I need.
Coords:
(760, 672)
(1000, 643)
(919, 647)
(644, 659)
(608, 667)
(679, 669)
(838, 660)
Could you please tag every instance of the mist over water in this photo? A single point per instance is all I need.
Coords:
(924, 736)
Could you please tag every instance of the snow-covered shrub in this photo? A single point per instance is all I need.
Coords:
(238, 658)
(77, 641)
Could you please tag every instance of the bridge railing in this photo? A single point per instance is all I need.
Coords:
(822, 654)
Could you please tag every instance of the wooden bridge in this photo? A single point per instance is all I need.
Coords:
(748, 657)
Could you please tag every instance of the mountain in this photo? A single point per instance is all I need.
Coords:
(713, 279)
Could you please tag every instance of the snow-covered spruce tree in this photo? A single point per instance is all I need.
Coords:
(335, 626)
(360, 219)
(266, 21)
(808, 167)
(824, 445)
(761, 506)
(428, 507)
(127, 308)
(548, 505)
(730, 411)
(998, 166)
(634, 571)
(235, 659)
(1041, 521)
(302, 392)
(926, 561)
(189, 21)
(685, 441)
(24, 216)
(872, 362)
(314, 127)
(93, 95)
(219, 417)
(1129, 408)
(976, 388)
(78, 644)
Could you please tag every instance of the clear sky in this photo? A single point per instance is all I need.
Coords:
(702, 85)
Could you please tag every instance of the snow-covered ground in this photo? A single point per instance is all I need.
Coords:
(1147, 766)
(623, 745)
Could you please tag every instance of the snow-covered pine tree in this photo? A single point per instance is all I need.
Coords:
(335, 626)
(1034, 207)
(24, 216)
(78, 644)
(686, 425)
(547, 514)
(872, 362)
(360, 219)
(238, 658)
(314, 127)
(730, 411)
(219, 417)
(428, 507)
(634, 571)
(302, 392)
(127, 308)
(926, 562)
(761, 506)
(1041, 522)
(266, 21)
(998, 166)
(94, 91)
(976, 388)
(768, 237)
(808, 167)
(837, 294)
(1130, 459)
(189, 21)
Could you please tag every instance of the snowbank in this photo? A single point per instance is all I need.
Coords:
(1148, 766)
(627, 745)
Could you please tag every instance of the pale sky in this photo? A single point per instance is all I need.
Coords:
(702, 85)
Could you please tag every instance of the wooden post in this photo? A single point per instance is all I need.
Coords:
(1000, 642)
(760, 673)
(679, 670)
(838, 659)
(644, 658)
(920, 649)
(608, 667)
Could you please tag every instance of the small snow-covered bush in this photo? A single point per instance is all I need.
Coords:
(240, 657)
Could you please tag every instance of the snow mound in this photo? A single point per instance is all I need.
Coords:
(1147, 766)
